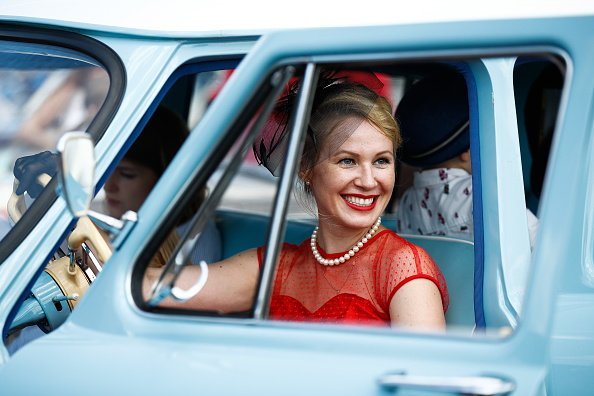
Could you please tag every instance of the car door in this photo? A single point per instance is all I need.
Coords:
(505, 350)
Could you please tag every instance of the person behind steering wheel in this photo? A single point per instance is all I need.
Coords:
(133, 179)
(137, 173)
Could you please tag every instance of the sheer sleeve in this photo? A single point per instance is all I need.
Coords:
(403, 262)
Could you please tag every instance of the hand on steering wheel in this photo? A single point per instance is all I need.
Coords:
(32, 173)
(28, 169)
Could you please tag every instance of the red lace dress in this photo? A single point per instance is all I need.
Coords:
(358, 291)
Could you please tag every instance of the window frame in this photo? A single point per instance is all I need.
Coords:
(217, 154)
(463, 55)
(111, 63)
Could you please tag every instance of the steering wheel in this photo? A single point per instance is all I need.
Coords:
(16, 205)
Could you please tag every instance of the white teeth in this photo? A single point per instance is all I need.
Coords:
(359, 201)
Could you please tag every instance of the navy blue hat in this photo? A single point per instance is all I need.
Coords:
(433, 119)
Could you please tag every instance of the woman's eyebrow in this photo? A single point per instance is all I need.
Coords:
(126, 167)
(386, 152)
(356, 154)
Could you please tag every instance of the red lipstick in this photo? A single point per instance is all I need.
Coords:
(359, 207)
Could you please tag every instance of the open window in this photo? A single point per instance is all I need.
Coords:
(252, 208)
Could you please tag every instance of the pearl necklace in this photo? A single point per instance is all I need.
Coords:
(346, 256)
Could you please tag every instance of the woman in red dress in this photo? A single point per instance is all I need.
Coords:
(352, 269)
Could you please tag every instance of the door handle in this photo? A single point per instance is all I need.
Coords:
(474, 385)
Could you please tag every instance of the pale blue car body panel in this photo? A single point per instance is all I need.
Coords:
(109, 345)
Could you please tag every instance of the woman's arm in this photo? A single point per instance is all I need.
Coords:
(417, 305)
(230, 286)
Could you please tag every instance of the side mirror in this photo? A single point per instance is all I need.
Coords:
(76, 177)
(77, 171)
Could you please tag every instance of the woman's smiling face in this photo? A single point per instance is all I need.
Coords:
(353, 185)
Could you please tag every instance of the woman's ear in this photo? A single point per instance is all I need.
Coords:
(305, 177)
(465, 156)
(303, 174)
(465, 162)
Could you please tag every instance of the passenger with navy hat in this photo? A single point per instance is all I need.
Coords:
(434, 123)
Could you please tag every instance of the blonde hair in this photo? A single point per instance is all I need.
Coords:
(337, 111)
(339, 103)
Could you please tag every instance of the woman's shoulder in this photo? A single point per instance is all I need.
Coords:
(395, 244)
(288, 251)
(286, 248)
(293, 248)
(393, 240)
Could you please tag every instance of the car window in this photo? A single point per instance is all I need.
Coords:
(470, 95)
(45, 91)
(157, 138)
(188, 94)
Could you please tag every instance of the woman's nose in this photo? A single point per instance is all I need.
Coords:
(110, 184)
(366, 178)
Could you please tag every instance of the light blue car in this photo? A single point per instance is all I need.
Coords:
(77, 321)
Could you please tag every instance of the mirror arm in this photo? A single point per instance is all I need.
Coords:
(110, 224)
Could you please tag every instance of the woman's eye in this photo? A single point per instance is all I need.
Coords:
(127, 175)
(347, 162)
(383, 162)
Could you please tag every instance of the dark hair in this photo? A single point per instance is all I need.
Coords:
(158, 143)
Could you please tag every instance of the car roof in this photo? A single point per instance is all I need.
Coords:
(200, 18)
